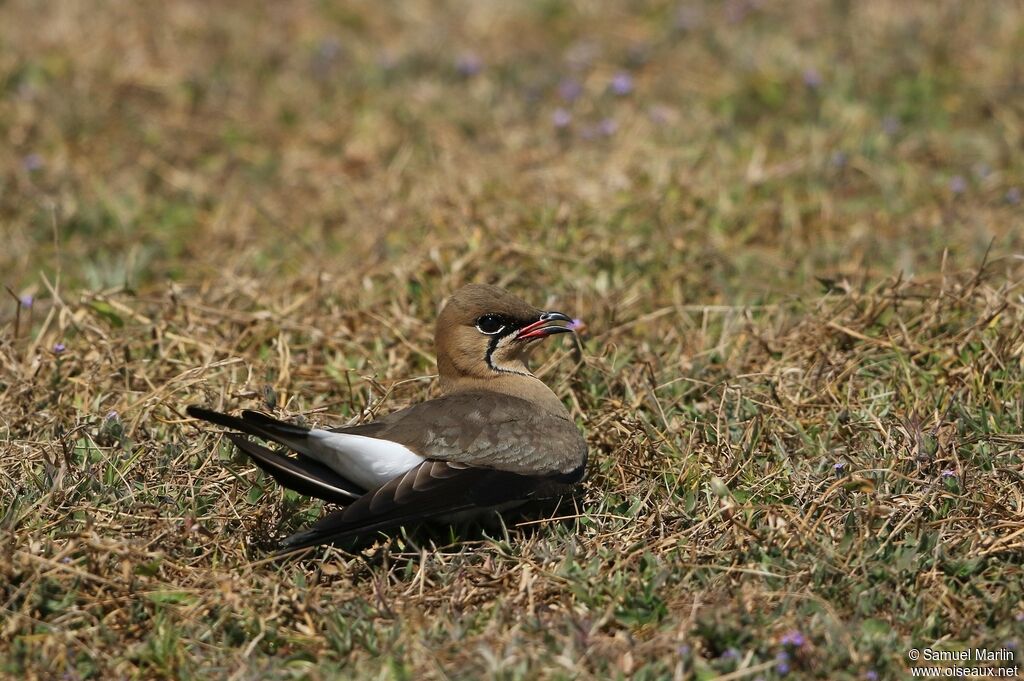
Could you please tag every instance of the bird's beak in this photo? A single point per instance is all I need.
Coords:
(546, 326)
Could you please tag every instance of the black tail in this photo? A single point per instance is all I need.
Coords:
(300, 473)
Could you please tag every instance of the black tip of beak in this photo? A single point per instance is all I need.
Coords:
(543, 327)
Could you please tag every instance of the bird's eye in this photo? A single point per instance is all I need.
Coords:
(490, 324)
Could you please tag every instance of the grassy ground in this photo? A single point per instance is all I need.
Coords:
(794, 229)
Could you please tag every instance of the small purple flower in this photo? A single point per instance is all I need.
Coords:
(561, 119)
(621, 84)
(328, 49)
(839, 159)
(607, 127)
(737, 10)
(782, 663)
(871, 675)
(793, 637)
(838, 467)
(26, 300)
(325, 55)
(957, 184)
(730, 654)
(469, 65)
(1019, 616)
(112, 415)
(32, 163)
(891, 125)
(1013, 196)
(812, 79)
(570, 89)
(948, 473)
(683, 650)
(59, 348)
(660, 114)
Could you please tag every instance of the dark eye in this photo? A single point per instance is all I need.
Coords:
(490, 324)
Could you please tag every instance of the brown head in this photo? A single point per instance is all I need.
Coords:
(484, 336)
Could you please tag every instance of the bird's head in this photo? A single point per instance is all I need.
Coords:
(486, 332)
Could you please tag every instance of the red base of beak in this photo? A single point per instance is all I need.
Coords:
(545, 326)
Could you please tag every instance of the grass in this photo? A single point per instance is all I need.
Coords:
(796, 241)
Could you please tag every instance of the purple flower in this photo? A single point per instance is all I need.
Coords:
(792, 638)
(871, 675)
(683, 650)
(325, 55)
(59, 348)
(812, 79)
(26, 300)
(660, 114)
(957, 184)
(839, 159)
(891, 125)
(607, 127)
(838, 467)
(730, 654)
(561, 119)
(782, 663)
(469, 65)
(32, 163)
(948, 473)
(1019, 616)
(328, 49)
(570, 89)
(112, 415)
(736, 10)
(1013, 196)
(621, 84)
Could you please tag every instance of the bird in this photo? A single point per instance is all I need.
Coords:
(496, 437)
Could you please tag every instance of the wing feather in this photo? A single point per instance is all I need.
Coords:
(433, 488)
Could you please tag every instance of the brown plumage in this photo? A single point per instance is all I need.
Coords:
(497, 435)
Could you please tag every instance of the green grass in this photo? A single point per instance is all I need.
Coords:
(798, 254)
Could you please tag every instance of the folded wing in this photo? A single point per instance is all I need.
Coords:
(434, 488)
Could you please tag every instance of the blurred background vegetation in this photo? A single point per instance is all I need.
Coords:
(740, 148)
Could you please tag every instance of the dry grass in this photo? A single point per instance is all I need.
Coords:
(795, 241)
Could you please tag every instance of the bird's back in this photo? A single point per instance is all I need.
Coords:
(484, 428)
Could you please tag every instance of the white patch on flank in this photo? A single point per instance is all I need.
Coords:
(367, 461)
